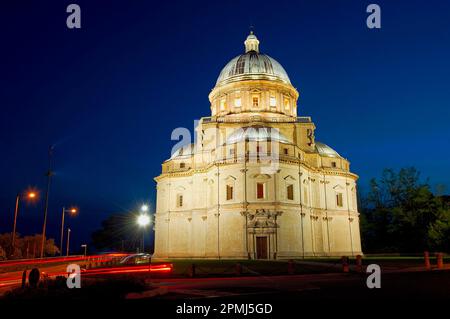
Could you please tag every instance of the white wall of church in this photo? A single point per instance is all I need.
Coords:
(204, 227)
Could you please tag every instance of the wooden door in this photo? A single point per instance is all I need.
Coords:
(261, 247)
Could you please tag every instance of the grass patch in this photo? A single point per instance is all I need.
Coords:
(209, 267)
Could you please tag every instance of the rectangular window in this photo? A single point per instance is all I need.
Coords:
(229, 192)
(286, 151)
(182, 165)
(286, 104)
(237, 102)
(260, 190)
(232, 151)
(333, 164)
(309, 136)
(273, 101)
(180, 201)
(255, 102)
(222, 104)
(339, 201)
(290, 192)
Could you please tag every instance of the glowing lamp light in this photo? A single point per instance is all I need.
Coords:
(144, 208)
(143, 220)
(72, 211)
(31, 195)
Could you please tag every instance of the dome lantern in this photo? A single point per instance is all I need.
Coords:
(251, 43)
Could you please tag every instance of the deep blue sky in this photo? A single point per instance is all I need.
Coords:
(110, 94)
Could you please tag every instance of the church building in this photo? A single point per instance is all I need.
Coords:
(256, 184)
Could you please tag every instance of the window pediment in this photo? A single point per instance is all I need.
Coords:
(230, 179)
(261, 176)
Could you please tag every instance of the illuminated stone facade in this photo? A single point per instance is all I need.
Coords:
(255, 184)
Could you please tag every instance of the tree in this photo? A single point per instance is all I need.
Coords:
(402, 214)
(2, 253)
(6, 242)
(118, 233)
(26, 247)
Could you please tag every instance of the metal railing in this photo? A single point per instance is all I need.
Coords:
(255, 118)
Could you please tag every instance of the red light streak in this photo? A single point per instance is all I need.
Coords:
(163, 268)
(106, 257)
(130, 269)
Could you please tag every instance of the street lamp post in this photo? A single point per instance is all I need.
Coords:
(68, 242)
(85, 249)
(143, 220)
(16, 211)
(72, 211)
(29, 195)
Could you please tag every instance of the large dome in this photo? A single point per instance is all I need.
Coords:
(252, 65)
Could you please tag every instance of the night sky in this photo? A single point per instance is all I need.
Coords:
(108, 95)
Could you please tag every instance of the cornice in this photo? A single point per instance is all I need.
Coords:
(294, 162)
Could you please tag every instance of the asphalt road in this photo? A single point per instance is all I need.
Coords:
(338, 286)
